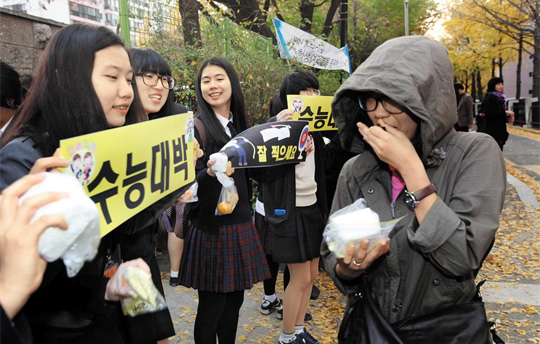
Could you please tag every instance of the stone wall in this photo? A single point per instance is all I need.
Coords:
(22, 39)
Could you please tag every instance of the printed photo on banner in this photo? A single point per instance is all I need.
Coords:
(316, 110)
(125, 170)
(268, 144)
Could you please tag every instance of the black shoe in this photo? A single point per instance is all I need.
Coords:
(268, 307)
(315, 292)
(307, 317)
(308, 338)
(173, 281)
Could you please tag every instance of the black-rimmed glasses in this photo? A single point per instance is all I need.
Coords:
(151, 79)
(369, 102)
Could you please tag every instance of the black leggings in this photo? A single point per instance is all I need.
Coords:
(270, 283)
(217, 315)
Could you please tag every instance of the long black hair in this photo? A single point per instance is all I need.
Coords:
(149, 61)
(63, 102)
(215, 132)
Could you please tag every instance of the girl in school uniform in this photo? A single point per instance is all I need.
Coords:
(222, 254)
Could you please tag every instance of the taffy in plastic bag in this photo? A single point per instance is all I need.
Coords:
(145, 298)
(353, 224)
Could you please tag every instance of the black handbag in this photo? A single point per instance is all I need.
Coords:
(364, 324)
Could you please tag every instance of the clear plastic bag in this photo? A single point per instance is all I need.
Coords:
(353, 224)
(145, 298)
(190, 195)
(227, 200)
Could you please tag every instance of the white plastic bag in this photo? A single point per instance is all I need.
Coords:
(79, 243)
(353, 224)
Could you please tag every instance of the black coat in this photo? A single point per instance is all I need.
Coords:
(495, 117)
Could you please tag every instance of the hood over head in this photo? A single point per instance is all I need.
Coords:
(416, 73)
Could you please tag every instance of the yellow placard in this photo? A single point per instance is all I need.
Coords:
(315, 109)
(127, 169)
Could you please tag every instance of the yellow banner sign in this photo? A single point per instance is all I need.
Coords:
(127, 169)
(315, 109)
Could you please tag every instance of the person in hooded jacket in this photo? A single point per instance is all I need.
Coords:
(399, 106)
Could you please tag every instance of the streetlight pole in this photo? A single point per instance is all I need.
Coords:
(343, 22)
(406, 17)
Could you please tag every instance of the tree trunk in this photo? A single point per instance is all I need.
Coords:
(249, 15)
(306, 13)
(479, 85)
(500, 63)
(518, 68)
(328, 22)
(189, 10)
(536, 61)
(473, 87)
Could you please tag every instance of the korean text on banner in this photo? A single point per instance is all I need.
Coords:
(296, 44)
(315, 109)
(268, 144)
(127, 169)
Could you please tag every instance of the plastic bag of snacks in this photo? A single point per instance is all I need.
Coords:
(353, 224)
(145, 296)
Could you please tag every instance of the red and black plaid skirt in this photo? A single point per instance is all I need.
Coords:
(230, 261)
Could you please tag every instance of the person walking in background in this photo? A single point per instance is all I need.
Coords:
(399, 109)
(10, 94)
(495, 113)
(465, 109)
(222, 254)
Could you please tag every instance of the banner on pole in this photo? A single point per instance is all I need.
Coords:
(125, 170)
(268, 144)
(315, 109)
(296, 44)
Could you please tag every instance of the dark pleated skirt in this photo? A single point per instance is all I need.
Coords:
(232, 260)
(305, 245)
(265, 234)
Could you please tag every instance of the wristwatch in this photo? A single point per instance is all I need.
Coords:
(413, 198)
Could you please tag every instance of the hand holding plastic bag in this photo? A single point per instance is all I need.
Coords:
(77, 244)
(132, 284)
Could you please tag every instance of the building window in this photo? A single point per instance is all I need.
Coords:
(17, 7)
(84, 11)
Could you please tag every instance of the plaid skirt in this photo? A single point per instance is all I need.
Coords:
(232, 260)
(265, 234)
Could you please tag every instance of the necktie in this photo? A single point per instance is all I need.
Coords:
(231, 128)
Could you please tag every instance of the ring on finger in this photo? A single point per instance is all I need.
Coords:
(355, 263)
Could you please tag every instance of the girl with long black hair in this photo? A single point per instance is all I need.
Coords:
(222, 254)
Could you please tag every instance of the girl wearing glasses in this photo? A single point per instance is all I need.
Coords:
(222, 255)
(398, 109)
(154, 85)
(84, 84)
